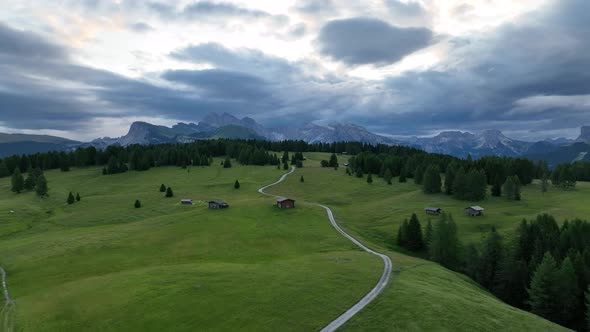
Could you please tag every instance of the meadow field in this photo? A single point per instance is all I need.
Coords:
(102, 265)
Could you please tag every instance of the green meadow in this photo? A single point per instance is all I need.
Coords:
(102, 265)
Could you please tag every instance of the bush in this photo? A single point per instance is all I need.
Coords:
(70, 199)
(169, 192)
(162, 188)
(237, 185)
(137, 204)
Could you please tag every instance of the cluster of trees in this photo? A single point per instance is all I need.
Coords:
(564, 176)
(71, 199)
(35, 181)
(544, 268)
(333, 162)
(167, 190)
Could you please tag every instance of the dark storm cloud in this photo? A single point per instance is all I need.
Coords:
(546, 54)
(21, 43)
(222, 84)
(358, 41)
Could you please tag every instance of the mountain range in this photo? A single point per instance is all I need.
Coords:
(225, 125)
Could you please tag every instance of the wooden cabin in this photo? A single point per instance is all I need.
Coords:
(285, 203)
(474, 211)
(433, 210)
(186, 201)
(218, 204)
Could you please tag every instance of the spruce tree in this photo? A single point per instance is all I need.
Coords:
(169, 192)
(236, 185)
(419, 175)
(414, 239)
(333, 161)
(544, 183)
(432, 180)
(387, 176)
(17, 181)
(162, 188)
(78, 198)
(301, 179)
(428, 234)
(4, 172)
(41, 186)
(569, 293)
(369, 178)
(29, 182)
(543, 291)
(137, 204)
(285, 166)
(227, 163)
(460, 184)
(491, 259)
(285, 158)
(444, 247)
(70, 199)
(402, 234)
(450, 177)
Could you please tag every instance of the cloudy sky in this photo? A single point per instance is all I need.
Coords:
(88, 68)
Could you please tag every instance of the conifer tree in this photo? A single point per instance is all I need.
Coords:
(414, 239)
(285, 166)
(137, 204)
(450, 177)
(432, 180)
(387, 175)
(490, 260)
(162, 188)
(369, 178)
(70, 199)
(333, 161)
(4, 172)
(17, 181)
(29, 181)
(402, 177)
(169, 192)
(359, 172)
(402, 234)
(569, 293)
(419, 175)
(78, 198)
(237, 185)
(41, 186)
(543, 291)
(444, 247)
(227, 163)
(285, 158)
(301, 179)
(428, 234)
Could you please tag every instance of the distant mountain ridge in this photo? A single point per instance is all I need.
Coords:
(225, 125)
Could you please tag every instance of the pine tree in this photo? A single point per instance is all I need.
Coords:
(227, 163)
(41, 186)
(491, 258)
(359, 172)
(236, 185)
(17, 181)
(301, 179)
(414, 240)
(29, 181)
(285, 158)
(369, 178)
(544, 183)
(402, 177)
(70, 199)
(333, 161)
(169, 192)
(162, 188)
(444, 247)
(569, 293)
(78, 198)
(137, 204)
(419, 175)
(285, 166)
(402, 234)
(4, 172)
(496, 190)
(543, 291)
(432, 180)
(460, 184)
(428, 234)
(450, 177)
(387, 176)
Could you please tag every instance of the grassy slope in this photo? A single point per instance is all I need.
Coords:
(423, 295)
(102, 265)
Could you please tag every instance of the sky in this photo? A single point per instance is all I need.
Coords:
(84, 69)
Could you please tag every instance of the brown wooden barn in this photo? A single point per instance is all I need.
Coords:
(285, 203)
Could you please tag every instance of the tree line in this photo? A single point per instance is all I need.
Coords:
(541, 267)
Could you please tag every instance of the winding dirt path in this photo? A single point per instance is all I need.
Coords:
(8, 310)
(381, 284)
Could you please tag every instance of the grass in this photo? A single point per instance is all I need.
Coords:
(101, 265)
(423, 296)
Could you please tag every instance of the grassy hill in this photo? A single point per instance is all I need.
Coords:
(101, 265)
(26, 144)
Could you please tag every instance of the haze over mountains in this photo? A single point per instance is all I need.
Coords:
(225, 125)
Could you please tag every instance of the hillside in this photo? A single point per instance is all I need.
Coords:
(190, 266)
(25, 144)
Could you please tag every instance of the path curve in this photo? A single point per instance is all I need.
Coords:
(7, 312)
(381, 284)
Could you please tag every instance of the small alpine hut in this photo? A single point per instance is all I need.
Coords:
(285, 203)
(218, 204)
(433, 210)
(474, 211)
(186, 201)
